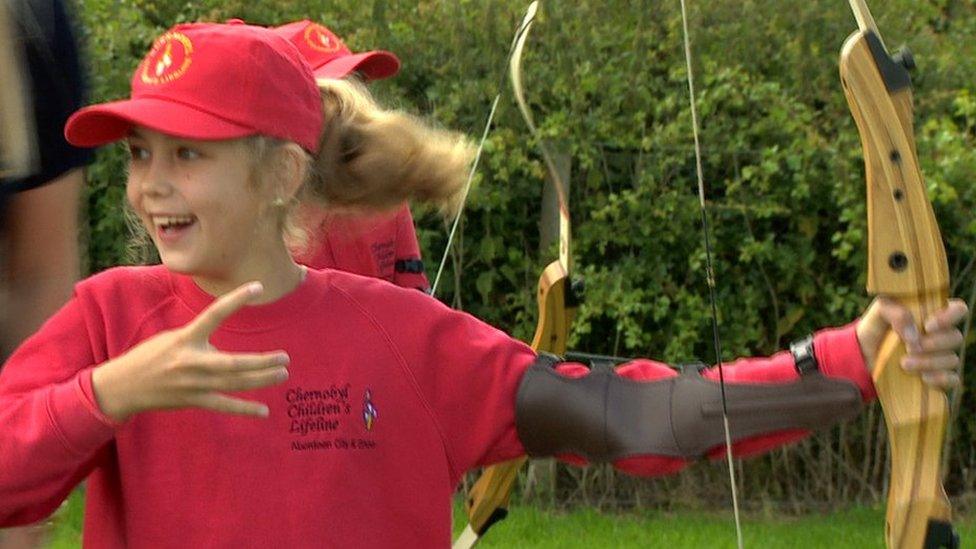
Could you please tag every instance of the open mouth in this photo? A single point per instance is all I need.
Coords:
(171, 226)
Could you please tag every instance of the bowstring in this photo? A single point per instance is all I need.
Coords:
(522, 29)
(710, 271)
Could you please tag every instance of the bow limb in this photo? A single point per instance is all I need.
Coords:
(557, 301)
(488, 498)
(907, 263)
(519, 33)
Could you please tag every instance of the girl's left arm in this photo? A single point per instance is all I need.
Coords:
(480, 386)
(648, 419)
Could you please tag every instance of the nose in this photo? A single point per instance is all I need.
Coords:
(155, 179)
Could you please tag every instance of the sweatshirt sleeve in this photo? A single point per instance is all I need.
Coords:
(838, 355)
(464, 372)
(408, 271)
(468, 374)
(53, 430)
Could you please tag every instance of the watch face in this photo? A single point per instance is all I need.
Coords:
(803, 356)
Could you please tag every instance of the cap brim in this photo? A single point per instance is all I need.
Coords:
(374, 65)
(102, 124)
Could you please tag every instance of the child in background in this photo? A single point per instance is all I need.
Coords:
(382, 245)
(231, 397)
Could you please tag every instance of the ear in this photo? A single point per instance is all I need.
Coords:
(292, 167)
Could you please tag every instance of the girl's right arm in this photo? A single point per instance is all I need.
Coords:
(52, 430)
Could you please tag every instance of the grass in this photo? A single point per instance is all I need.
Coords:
(67, 522)
(857, 528)
(529, 527)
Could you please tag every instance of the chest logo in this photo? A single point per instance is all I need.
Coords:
(370, 413)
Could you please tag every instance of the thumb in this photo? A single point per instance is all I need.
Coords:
(885, 314)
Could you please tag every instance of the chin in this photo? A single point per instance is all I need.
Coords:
(178, 264)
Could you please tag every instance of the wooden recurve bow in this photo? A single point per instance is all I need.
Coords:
(487, 500)
(907, 263)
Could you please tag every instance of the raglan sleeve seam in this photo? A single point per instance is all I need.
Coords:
(402, 363)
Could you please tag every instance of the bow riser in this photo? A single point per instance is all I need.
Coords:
(905, 246)
(488, 498)
(906, 262)
(555, 312)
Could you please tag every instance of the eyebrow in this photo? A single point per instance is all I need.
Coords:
(134, 132)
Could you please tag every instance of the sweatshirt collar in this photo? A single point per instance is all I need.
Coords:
(292, 307)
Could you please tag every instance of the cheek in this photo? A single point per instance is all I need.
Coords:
(132, 194)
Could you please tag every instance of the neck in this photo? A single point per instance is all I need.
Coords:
(278, 273)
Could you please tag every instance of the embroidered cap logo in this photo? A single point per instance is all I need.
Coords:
(168, 59)
(318, 38)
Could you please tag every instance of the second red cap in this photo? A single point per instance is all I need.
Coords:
(330, 58)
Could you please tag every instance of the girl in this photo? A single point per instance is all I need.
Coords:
(358, 426)
(382, 245)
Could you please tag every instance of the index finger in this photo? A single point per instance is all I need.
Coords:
(206, 323)
(953, 313)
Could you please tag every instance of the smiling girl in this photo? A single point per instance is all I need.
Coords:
(340, 425)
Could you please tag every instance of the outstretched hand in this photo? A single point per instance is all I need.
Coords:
(933, 355)
(181, 369)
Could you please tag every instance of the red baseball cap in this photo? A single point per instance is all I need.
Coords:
(330, 58)
(212, 81)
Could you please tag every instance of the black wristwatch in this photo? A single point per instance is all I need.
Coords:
(804, 358)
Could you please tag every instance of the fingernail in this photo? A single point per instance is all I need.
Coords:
(255, 288)
(908, 365)
(282, 374)
(265, 412)
(931, 324)
(283, 359)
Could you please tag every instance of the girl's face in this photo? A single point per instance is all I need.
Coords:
(199, 204)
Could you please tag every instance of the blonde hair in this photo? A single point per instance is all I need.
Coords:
(372, 158)
(369, 159)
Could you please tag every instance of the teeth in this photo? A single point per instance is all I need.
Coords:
(166, 221)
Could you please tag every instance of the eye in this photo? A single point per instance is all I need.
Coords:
(137, 153)
(186, 153)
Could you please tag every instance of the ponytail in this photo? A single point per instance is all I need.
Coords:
(375, 159)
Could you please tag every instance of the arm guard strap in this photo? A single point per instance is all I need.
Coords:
(604, 417)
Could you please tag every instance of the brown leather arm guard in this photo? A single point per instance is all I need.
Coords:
(604, 417)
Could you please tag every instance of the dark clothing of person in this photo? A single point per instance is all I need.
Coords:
(57, 87)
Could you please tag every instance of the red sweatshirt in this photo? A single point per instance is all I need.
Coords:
(391, 398)
(379, 245)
